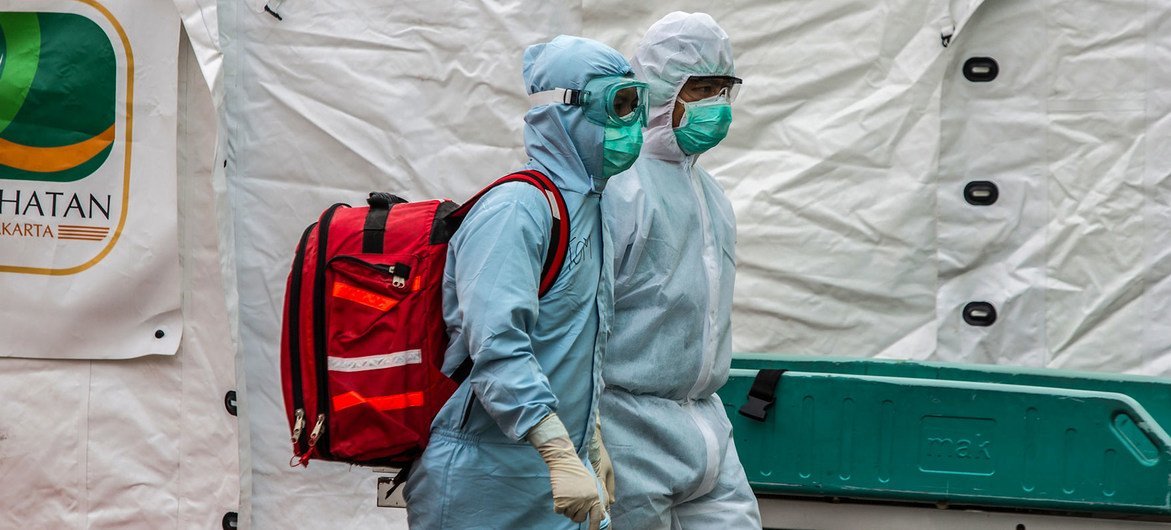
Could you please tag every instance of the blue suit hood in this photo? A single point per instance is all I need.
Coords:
(558, 138)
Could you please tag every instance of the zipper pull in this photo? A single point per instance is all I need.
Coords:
(298, 425)
(317, 428)
(399, 274)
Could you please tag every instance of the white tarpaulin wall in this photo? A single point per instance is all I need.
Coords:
(854, 139)
(1076, 253)
(853, 142)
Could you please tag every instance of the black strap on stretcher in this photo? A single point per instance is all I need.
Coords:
(762, 395)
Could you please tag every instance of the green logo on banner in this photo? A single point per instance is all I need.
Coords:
(57, 96)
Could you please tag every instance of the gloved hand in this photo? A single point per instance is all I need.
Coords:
(575, 492)
(600, 458)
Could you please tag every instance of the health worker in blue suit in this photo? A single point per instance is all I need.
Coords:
(516, 445)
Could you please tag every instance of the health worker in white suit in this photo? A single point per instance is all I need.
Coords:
(674, 237)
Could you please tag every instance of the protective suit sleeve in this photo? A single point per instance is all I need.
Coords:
(499, 251)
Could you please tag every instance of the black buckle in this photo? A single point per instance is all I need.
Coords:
(756, 408)
(762, 394)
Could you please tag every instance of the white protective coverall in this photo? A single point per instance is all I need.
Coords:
(674, 257)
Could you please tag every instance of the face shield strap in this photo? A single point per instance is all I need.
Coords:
(562, 96)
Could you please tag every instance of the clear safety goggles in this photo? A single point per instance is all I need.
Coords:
(610, 100)
(709, 86)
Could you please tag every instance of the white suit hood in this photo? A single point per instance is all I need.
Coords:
(677, 47)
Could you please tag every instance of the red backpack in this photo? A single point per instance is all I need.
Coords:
(364, 337)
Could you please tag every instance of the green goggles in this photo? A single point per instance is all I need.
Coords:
(611, 100)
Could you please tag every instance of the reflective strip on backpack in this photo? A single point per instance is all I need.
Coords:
(375, 362)
(382, 403)
(357, 294)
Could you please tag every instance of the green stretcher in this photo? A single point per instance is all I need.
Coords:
(950, 434)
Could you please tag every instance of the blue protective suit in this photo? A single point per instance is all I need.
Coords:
(531, 358)
(674, 236)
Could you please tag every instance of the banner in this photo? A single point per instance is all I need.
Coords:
(89, 263)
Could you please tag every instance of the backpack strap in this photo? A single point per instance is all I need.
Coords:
(559, 238)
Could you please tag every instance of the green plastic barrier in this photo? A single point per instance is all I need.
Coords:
(962, 434)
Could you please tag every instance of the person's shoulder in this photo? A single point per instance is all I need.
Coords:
(513, 192)
(514, 196)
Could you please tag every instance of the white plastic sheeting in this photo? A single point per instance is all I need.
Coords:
(146, 442)
(201, 20)
(854, 137)
(1074, 132)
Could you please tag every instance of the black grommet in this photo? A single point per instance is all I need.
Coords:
(981, 192)
(979, 314)
(159, 334)
(230, 402)
(231, 521)
(981, 69)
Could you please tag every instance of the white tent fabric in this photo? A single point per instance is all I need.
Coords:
(855, 135)
(201, 20)
(854, 138)
(1075, 254)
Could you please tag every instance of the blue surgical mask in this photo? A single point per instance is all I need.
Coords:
(620, 147)
(705, 123)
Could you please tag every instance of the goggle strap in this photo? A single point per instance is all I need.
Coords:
(563, 96)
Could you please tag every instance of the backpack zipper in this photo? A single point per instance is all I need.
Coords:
(320, 433)
(399, 272)
(294, 339)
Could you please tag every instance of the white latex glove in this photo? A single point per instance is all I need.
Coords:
(600, 458)
(575, 492)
